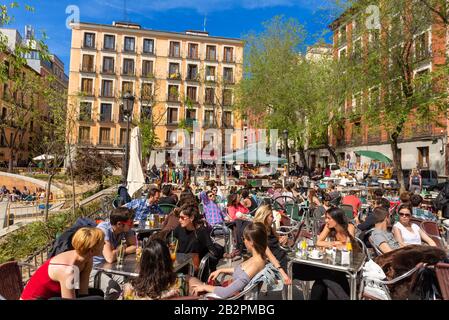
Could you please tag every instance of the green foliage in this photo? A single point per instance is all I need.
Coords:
(150, 139)
(37, 235)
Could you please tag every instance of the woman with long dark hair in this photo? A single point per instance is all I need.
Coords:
(240, 215)
(337, 230)
(255, 237)
(156, 279)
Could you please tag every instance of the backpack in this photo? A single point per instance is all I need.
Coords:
(63, 243)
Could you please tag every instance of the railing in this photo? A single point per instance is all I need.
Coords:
(192, 77)
(129, 73)
(109, 71)
(107, 95)
(174, 76)
(85, 142)
(211, 59)
(84, 46)
(87, 69)
(173, 98)
(106, 143)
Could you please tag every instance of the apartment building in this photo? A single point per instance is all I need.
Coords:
(35, 66)
(422, 146)
(177, 79)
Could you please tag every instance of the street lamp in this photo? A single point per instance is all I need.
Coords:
(127, 107)
(285, 133)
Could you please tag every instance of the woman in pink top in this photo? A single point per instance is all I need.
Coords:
(240, 215)
(236, 210)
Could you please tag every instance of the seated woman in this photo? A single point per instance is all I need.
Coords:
(407, 233)
(248, 201)
(156, 279)
(255, 236)
(337, 228)
(328, 281)
(72, 267)
(240, 214)
(193, 237)
(277, 256)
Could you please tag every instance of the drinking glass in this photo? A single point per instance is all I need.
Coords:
(173, 246)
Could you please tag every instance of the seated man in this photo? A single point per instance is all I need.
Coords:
(381, 238)
(418, 212)
(119, 227)
(144, 207)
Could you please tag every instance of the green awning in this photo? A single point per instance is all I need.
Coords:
(374, 155)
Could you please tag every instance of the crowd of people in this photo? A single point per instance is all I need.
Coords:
(196, 213)
(25, 194)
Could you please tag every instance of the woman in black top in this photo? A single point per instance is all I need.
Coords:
(193, 236)
(249, 202)
(168, 197)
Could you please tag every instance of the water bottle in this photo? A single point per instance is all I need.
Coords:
(121, 252)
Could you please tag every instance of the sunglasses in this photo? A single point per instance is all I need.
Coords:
(183, 218)
(405, 214)
(129, 223)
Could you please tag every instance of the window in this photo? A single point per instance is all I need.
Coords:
(130, 44)
(209, 117)
(190, 116)
(227, 119)
(342, 54)
(191, 93)
(172, 115)
(227, 97)
(342, 36)
(357, 133)
(228, 75)
(374, 98)
(107, 88)
(357, 103)
(106, 112)
(88, 63)
(193, 51)
(175, 49)
(422, 50)
(84, 135)
(128, 67)
(192, 72)
(127, 86)
(109, 42)
(31, 125)
(5, 91)
(210, 96)
(87, 86)
(3, 140)
(211, 53)
(423, 157)
(123, 136)
(210, 73)
(174, 71)
(357, 49)
(85, 111)
(147, 92)
(108, 65)
(171, 137)
(89, 40)
(105, 136)
(147, 68)
(228, 55)
(148, 46)
(173, 93)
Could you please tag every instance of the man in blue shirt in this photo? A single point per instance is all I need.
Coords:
(144, 207)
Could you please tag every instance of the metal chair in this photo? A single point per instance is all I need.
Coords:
(376, 248)
(203, 265)
(167, 208)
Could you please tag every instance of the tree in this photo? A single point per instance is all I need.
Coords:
(91, 165)
(383, 71)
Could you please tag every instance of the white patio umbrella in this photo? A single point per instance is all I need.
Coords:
(44, 157)
(136, 179)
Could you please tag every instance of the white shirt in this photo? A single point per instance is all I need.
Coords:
(407, 236)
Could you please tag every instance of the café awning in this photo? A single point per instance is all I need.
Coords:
(374, 155)
(253, 155)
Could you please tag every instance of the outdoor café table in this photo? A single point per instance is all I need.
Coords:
(146, 232)
(327, 263)
(130, 267)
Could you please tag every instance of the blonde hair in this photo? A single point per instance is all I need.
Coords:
(86, 239)
(262, 214)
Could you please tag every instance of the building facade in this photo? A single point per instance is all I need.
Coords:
(422, 146)
(178, 80)
(36, 66)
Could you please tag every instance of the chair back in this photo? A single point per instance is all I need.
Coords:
(442, 273)
(432, 230)
(167, 208)
(376, 248)
(11, 285)
(349, 211)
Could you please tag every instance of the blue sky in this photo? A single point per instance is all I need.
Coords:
(227, 18)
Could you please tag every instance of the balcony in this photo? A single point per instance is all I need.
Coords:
(106, 143)
(174, 76)
(84, 46)
(109, 95)
(149, 53)
(85, 118)
(87, 69)
(209, 124)
(170, 144)
(190, 122)
(113, 49)
(173, 98)
(175, 55)
(147, 75)
(128, 73)
(85, 142)
(88, 93)
(193, 77)
(374, 137)
(229, 80)
(228, 60)
(422, 131)
(172, 122)
(107, 71)
(210, 79)
(209, 102)
(105, 119)
(211, 58)
(357, 140)
(193, 57)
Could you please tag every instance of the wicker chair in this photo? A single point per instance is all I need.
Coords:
(442, 273)
(11, 285)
